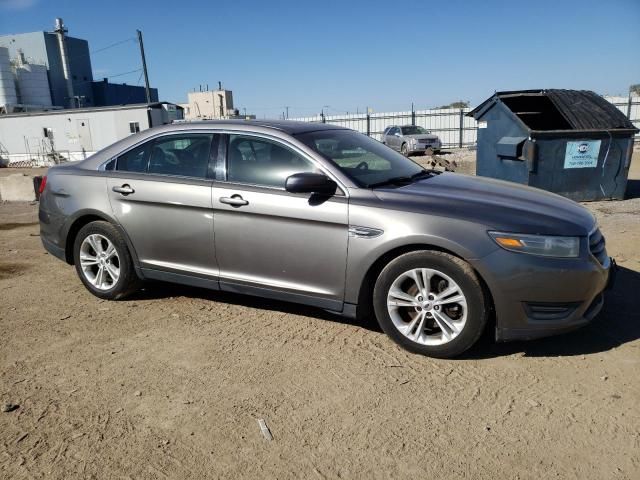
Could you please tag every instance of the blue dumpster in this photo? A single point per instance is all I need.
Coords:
(571, 142)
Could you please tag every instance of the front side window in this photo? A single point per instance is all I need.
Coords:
(365, 160)
(183, 155)
(258, 161)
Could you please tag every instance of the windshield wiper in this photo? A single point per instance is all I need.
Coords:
(400, 179)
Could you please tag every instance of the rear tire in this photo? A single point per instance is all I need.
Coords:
(431, 303)
(103, 261)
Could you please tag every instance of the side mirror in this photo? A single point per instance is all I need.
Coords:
(310, 183)
(398, 134)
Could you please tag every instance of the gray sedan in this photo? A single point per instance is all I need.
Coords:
(326, 216)
(410, 139)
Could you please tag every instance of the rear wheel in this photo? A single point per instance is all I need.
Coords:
(103, 262)
(430, 303)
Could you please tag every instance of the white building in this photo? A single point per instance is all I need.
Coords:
(42, 137)
(209, 105)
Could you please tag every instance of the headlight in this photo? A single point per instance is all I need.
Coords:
(545, 245)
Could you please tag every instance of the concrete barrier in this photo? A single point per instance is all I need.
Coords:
(17, 187)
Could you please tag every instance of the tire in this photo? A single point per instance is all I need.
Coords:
(433, 326)
(404, 150)
(93, 242)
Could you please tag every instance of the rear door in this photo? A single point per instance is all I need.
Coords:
(271, 242)
(160, 192)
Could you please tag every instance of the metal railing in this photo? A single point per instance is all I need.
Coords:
(454, 128)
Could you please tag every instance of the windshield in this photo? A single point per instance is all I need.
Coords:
(413, 130)
(363, 159)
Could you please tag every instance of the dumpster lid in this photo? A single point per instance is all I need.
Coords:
(557, 109)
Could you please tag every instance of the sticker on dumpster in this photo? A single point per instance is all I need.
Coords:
(582, 154)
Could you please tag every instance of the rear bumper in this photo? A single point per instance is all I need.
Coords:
(537, 297)
(53, 249)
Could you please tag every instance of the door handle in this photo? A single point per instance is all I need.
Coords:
(124, 189)
(234, 200)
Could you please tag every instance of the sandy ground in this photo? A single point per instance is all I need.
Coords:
(171, 383)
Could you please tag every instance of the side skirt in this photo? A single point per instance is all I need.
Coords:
(334, 306)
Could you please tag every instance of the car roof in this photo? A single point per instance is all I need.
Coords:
(277, 127)
(288, 126)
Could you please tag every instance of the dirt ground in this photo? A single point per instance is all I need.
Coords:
(171, 383)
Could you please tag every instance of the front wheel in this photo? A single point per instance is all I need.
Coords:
(404, 150)
(430, 303)
(103, 262)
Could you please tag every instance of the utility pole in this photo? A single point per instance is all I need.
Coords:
(144, 67)
(287, 108)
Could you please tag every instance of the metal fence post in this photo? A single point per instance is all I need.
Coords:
(461, 127)
(368, 124)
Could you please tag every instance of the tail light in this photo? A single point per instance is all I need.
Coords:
(42, 185)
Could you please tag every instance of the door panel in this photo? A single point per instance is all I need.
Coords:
(392, 140)
(169, 221)
(282, 242)
(160, 191)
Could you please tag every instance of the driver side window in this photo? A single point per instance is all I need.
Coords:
(258, 161)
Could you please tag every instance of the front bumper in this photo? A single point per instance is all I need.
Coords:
(421, 148)
(536, 296)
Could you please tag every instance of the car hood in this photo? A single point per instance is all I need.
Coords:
(423, 136)
(502, 206)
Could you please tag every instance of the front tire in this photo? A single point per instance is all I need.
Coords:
(430, 303)
(404, 149)
(103, 261)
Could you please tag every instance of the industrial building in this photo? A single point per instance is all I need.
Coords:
(43, 138)
(49, 70)
(209, 104)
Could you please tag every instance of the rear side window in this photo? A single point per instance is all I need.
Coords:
(135, 160)
(184, 155)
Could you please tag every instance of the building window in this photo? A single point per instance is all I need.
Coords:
(134, 127)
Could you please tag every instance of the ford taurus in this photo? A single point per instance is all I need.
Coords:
(326, 216)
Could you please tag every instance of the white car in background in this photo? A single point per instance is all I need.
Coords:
(410, 139)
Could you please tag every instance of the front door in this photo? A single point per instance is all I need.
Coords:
(273, 243)
(160, 192)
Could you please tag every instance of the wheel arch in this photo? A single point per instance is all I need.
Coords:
(365, 292)
(85, 217)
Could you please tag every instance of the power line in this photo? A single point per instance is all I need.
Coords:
(113, 45)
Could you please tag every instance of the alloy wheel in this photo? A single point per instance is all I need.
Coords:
(99, 261)
(427, 306)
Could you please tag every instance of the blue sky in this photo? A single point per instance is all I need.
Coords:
(352, 54)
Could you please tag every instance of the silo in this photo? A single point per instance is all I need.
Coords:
(33, 84)
(8, 95)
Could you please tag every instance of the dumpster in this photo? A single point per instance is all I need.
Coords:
(571, 142)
